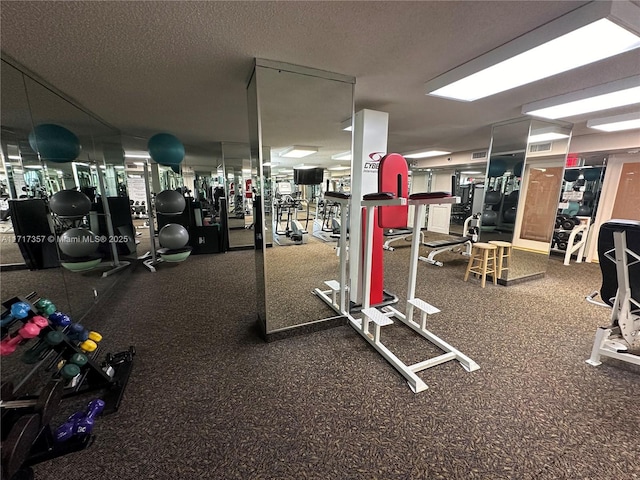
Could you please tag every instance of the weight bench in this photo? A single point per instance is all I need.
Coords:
(455, 244)
(619, 256)
(397, 234)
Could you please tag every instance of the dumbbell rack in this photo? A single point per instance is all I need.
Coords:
(575, 240)
(27, 437)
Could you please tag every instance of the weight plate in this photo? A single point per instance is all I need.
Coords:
(15, 449)
(568, 224)
(49, 400)
(563, 235)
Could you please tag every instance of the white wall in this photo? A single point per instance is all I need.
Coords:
(607, 198)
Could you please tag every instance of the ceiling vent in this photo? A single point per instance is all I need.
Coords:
(540, 147)
(478, 155)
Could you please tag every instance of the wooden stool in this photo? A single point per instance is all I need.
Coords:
(504, 252)
(482, 261)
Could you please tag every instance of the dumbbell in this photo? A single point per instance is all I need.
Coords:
(60, 319)
(29, 330)
(19, 310)
(569, 222)
(73, 366)
(88, 340)
(45, 306)
(77, 333)
(50, 340)
(80, 423)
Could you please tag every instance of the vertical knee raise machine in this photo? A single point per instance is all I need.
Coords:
(619, 255)
(339, 299)
(369, 326)
(381, 318)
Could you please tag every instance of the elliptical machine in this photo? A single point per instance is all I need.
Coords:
(287, 203)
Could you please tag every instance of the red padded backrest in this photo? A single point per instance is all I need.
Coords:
(393, 176)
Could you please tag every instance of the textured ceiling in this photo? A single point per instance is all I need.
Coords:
(182, 67)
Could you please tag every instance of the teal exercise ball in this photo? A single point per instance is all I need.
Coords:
(70, 204)
(54, 143)
(166, 149)
(78, 242)
(173, 236)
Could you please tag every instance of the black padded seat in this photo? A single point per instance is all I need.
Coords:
(447, 243)
(341, 195)
(429, 195)
(608, 267)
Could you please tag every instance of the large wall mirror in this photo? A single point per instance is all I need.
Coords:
(522, 186)
(51, 147)
(303, 149)
(239, 173)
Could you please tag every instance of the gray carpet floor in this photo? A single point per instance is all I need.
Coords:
(209, 399)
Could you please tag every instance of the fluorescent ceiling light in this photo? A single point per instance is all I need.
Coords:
(601, 97)
(347, 126)
(342, 156)
(140, 164)
(285, 170)
(627, 121)
(266, 164)
(472, 173)
(585, 35)
(302, 166)
(298, 151)
(547, 134)
(547, 137)
(426, 153)
(14, 157)
(33, 167)
(136, 155)
(119, 167)
(339, 168)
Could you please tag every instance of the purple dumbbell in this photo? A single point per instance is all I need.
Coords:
(80, 423)
(18, 311)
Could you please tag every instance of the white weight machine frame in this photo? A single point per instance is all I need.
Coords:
(383, 318)
(454, 245)
(401, 236)
(624, 331)
(580, 245)
(340, 288)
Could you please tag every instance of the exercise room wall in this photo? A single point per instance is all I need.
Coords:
(623, 168)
